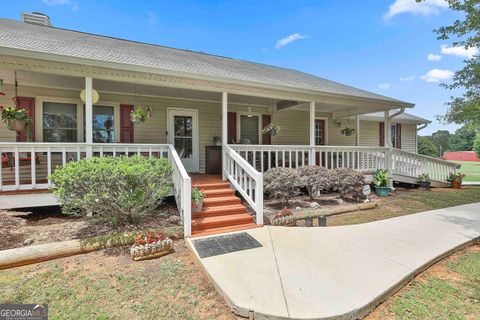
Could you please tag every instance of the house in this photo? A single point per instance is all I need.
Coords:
(193, 97)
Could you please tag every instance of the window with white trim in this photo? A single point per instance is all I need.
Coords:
(249, 129)
(59, 122)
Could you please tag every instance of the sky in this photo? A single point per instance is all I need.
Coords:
(384, 46)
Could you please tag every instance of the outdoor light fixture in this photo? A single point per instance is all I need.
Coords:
(249, 112)
(95, 96)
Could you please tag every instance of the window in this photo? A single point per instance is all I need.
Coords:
(183, 137)
(59, 122)
(103, 124)
(319, 132)
(249, 129)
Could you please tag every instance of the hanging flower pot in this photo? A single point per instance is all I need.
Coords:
(140, 114)
(271, 129)
(16, 125)
(347, 131)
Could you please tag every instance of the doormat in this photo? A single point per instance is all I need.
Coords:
(215, 246)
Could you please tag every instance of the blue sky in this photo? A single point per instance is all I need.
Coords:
(377, 45)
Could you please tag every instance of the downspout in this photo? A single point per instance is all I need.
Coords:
(423, 126)
(399, 112)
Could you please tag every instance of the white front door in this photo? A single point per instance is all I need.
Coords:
(183, 134)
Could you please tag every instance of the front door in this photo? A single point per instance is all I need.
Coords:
(183, 134)
(319, 139)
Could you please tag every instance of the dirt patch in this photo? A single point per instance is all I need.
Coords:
(172, 287)
(48, 224)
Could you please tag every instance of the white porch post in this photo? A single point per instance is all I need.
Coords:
(88, 116)
(311, 158)
(357, 130)
(224, 128)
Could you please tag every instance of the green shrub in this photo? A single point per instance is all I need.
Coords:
(381, 178)
(315, 179)
(476, 145)
(119, 189)
(281, 183)
(349, 183)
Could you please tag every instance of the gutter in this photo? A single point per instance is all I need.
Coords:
(402, 110)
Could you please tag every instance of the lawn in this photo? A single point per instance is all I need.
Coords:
(403, 202)
(109, 285)
(448, 290)
(471, 169)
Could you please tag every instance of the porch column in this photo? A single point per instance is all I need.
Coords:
(88, 116)
(311, 158)
(388, 142)
(357, 130)
(224, 128)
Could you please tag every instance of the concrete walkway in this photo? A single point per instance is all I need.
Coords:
(337, 272)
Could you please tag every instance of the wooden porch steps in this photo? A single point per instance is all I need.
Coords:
(222, 210)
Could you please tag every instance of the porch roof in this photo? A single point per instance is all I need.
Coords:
(402, 118)
(59, 44)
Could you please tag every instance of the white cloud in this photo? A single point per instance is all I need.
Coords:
(437, 75)
(408, 78)
(434, 57)
(384, 86)
(293, 37)
(52, 3)
(459, 51)
(425, 8)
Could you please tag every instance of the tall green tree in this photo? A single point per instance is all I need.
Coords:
(427, 146)
(463, 138)
(465, 32)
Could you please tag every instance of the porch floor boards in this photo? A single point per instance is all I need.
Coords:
(222, 209)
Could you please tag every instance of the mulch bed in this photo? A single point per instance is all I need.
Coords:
(48, 224)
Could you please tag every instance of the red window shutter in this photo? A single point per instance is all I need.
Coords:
(29, 105)
(126, 126)
(399, 136)
(232, 127)
(382, 134)
(266, 119)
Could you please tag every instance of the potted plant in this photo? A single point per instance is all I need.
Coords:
(151, 245)
(271, 129)
(284, 217)
(347, 131)
(197, 199)
(456, 180)
(424, 181)
(217, 140)
(15, 119)
(140, 114)
(380, 181)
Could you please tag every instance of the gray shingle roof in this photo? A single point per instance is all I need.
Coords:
(19, 35)
(404, 117)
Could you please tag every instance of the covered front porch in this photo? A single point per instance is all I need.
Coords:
(186, 120)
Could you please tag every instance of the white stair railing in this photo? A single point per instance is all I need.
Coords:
(245, 179)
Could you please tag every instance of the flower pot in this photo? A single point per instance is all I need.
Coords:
(424, 185)
(16, 125)
(456, 184)
(382, 191)
(197, 208)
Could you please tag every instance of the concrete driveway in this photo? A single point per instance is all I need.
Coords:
(336, 272)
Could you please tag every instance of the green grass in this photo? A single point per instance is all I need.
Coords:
(471, 169)
(452, 291)
(96, 286)
(407, 202)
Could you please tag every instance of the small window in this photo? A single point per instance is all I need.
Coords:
(59, 122)
(249, 129)
(103, 124)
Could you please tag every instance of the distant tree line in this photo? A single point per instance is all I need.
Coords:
(442, 140)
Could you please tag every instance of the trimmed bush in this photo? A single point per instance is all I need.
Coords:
(121, 189)
(315, 179)
(349, 183)
(281, 183)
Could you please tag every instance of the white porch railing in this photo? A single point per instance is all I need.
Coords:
(26, 166)
(364, 159)
(245, 179)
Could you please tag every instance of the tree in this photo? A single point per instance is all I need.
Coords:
(464, 109)
(463, 138)
(427, 146)
(476, 145)
(442, 140)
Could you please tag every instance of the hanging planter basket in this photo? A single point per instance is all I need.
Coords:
(140, 114)
(271, 129)
(347, 131)
(16, 125)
